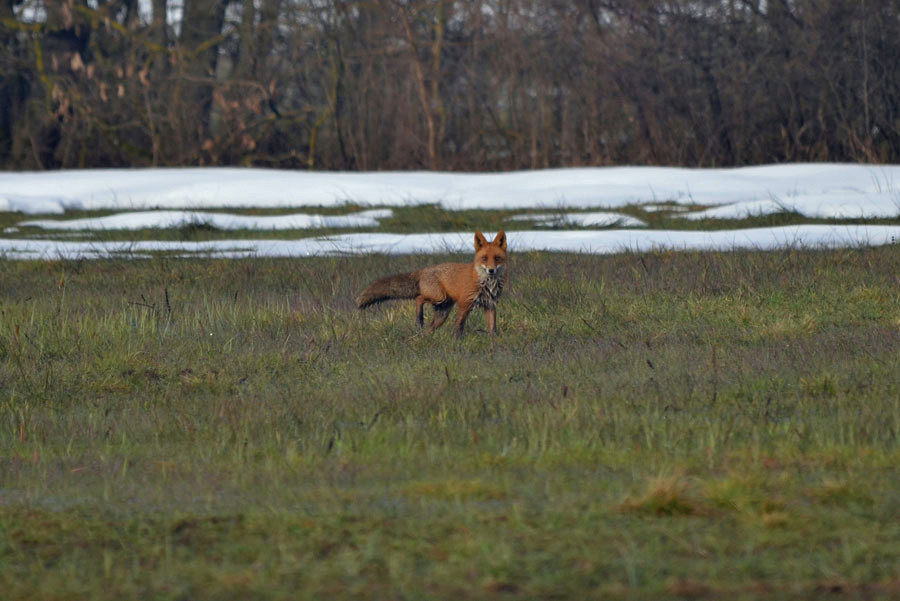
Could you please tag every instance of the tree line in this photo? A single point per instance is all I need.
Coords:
(479, 85)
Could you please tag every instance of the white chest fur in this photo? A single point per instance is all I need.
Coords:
(490, 287)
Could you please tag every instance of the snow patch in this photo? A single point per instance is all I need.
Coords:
(741, 210)
(579, 241)
(595, 219)
(812, 189)
(30, 205)
(657, 208)
(223, 221)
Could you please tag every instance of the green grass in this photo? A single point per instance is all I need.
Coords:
(656, 426)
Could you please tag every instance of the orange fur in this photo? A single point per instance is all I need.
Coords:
(479, 283)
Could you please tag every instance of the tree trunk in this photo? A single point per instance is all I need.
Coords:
(159, 32)
(200, 30)
(246, 53)
(429, 96)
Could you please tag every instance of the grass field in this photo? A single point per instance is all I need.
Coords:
(653, 426)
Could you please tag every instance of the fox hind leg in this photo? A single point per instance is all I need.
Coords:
(441, 311)
(420, 312)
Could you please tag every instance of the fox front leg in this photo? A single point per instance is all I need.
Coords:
(461, 315)
(491, 316)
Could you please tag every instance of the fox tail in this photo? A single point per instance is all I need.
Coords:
(401, 285)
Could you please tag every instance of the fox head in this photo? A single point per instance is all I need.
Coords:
(490, 257)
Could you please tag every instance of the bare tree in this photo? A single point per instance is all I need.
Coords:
(443, 84)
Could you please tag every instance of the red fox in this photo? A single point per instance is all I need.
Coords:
(470, 284)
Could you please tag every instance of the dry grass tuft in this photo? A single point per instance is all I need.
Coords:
(665, 496)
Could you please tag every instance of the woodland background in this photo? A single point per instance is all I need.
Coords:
(440, 84)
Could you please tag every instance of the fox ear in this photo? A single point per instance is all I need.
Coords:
(500, 240)
(479, 240)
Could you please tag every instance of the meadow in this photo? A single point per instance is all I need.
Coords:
(645, 426)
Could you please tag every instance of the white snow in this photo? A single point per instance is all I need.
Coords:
(580, 241)
(657, 208)
(823, 206)
(595, 219)
(182, 196)
(813, 189)
(34, 204)
(224, 221)
(739, 210)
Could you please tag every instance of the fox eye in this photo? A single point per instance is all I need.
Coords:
(484, 259)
